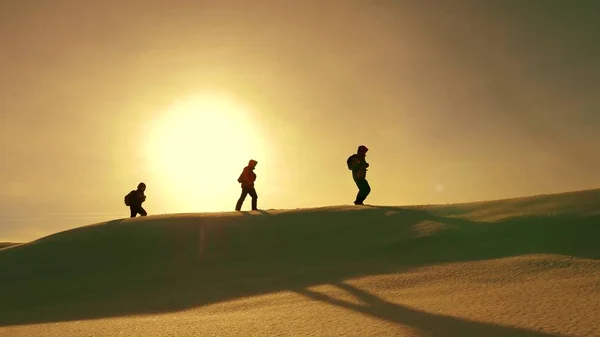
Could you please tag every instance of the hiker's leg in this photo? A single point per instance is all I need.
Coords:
(365, 189)
(254, 196)
(142, 211)
(132, 211)
(358, 194)
(240, 201)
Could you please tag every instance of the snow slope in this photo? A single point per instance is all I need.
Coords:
(7, 244)
(516, 267)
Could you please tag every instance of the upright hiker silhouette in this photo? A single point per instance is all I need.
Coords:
(247, 179)
(135, 199)
(357, 163)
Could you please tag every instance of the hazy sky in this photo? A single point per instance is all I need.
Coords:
(457, 101)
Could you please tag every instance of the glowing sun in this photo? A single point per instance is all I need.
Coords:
(198, 147)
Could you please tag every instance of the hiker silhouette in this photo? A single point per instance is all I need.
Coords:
(358, 165)
(247, 179)
(134, 200)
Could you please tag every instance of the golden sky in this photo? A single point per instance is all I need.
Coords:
(457, 101)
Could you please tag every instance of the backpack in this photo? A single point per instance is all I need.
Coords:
(128, 199)
(350, 162)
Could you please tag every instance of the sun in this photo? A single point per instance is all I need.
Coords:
(197, 149)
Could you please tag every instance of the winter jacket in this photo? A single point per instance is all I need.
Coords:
(136, 198)
(358, 164)
(247, 178)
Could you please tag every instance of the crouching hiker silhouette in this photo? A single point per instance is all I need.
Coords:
(135, 199)
(247, 179)
(357, 163)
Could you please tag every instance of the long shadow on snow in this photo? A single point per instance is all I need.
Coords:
(144, 267)
(426, 324)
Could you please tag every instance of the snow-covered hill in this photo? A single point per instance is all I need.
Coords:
(517, 267)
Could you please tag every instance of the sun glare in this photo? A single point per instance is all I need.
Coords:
(198, 148)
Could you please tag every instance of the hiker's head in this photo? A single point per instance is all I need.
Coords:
(252, 163)
(362, 150)
(141, 187)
